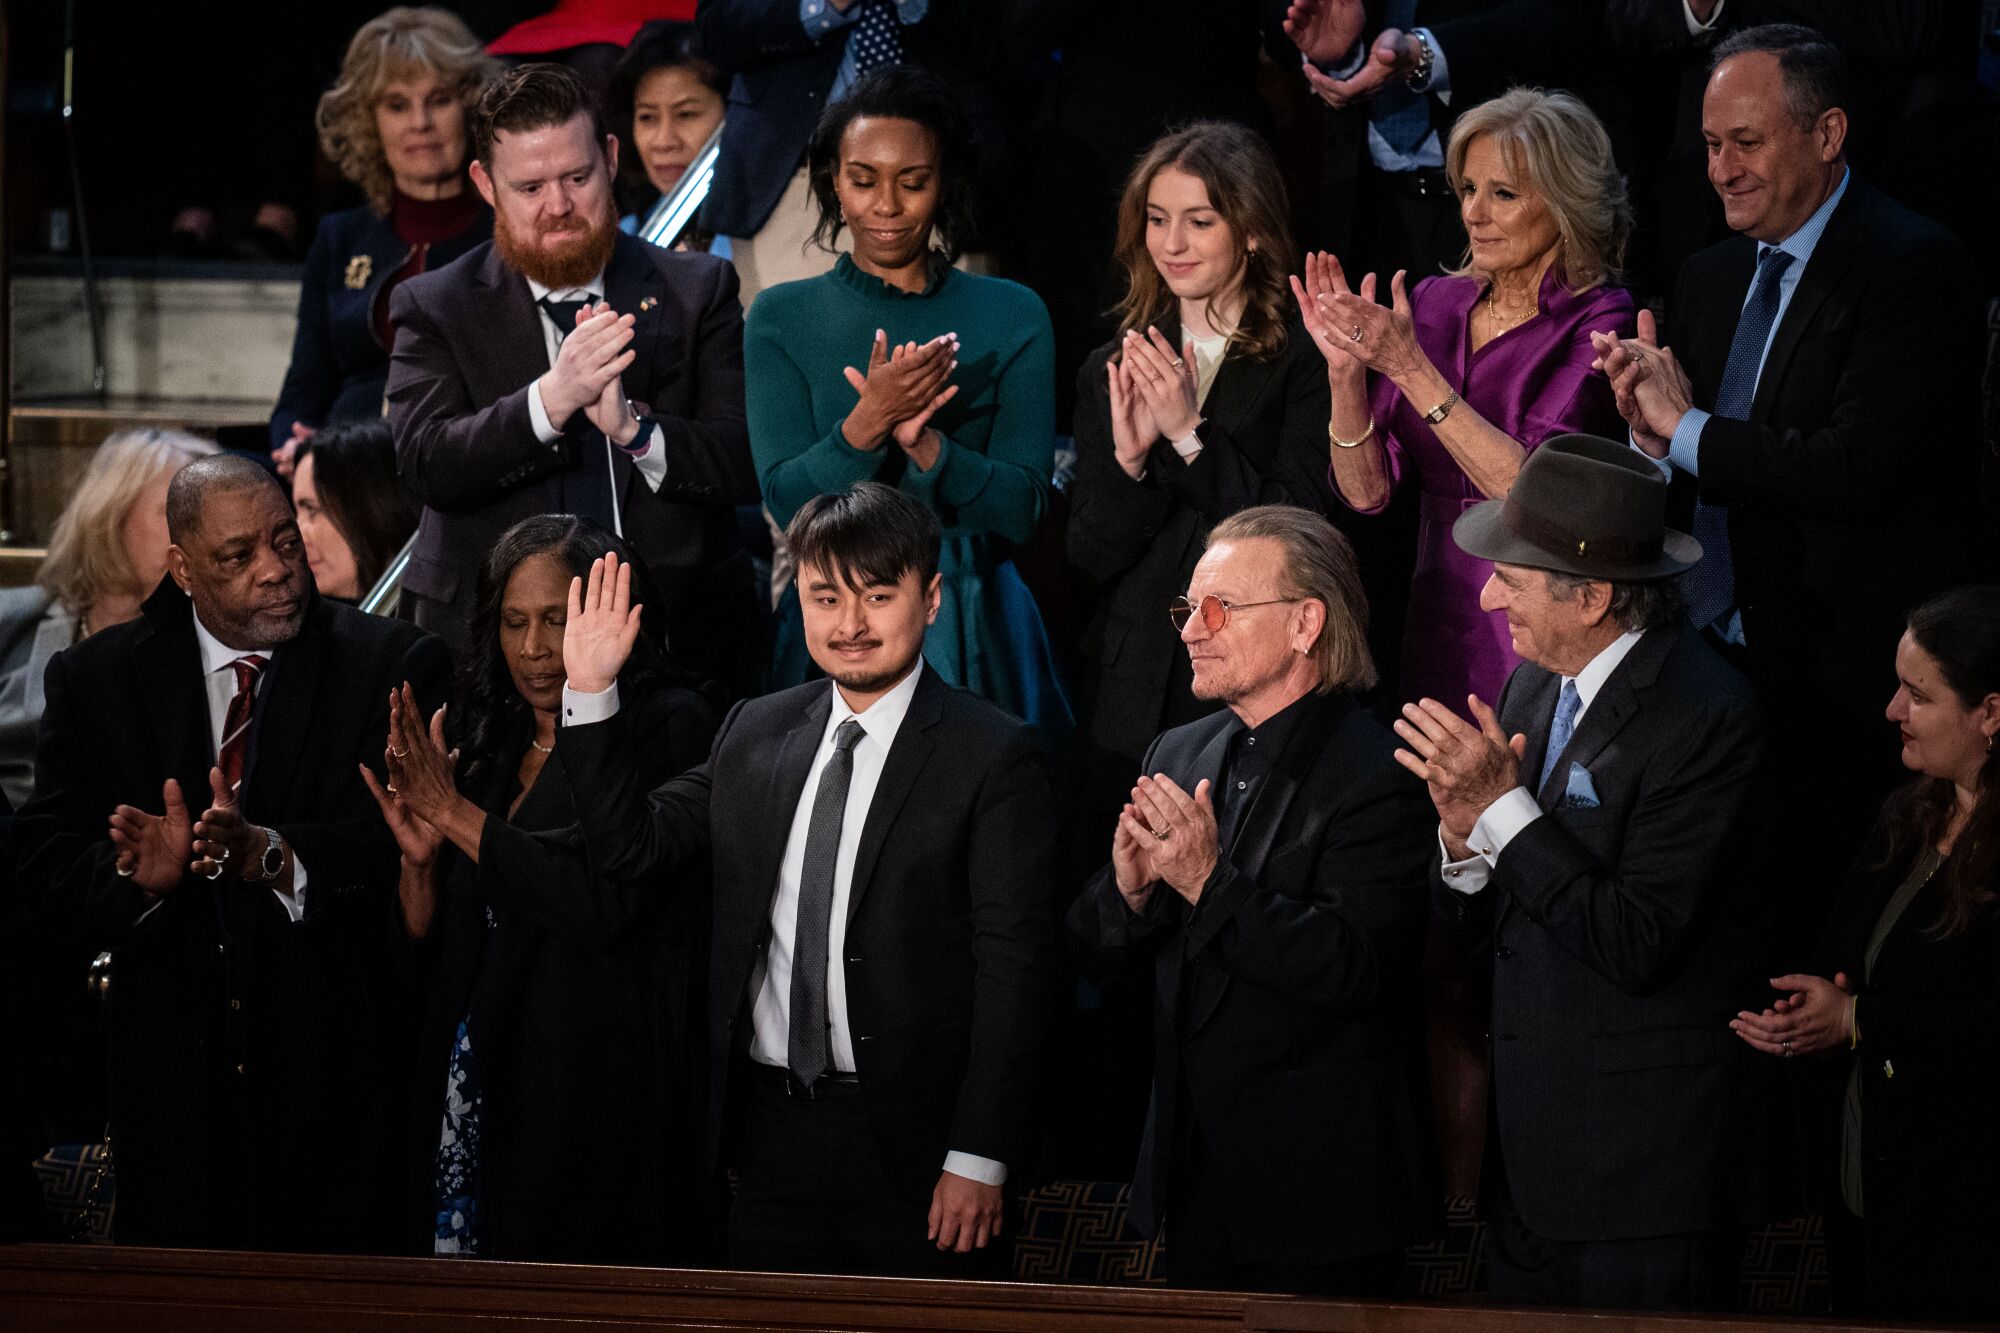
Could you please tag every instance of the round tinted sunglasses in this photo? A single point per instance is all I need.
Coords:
(1214, 611)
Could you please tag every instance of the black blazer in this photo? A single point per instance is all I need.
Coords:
(243, 1112)
(592, 1098)
(950, 954)
(1289, 1002)
(339, 368)
(469, 345)
(1853, 487)
(1263, 438)
(1929, 1019)
(1626, 935)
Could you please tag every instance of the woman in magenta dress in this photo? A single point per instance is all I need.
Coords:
(1454, 384)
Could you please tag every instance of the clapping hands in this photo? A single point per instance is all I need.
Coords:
(1653, 393)
(901, 390)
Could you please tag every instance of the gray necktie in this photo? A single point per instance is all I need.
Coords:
(807, 1049)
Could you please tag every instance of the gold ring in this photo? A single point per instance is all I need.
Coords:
(1356, 335)
(400, 754)
(392, 789)
(1179, 364)
(1163, 834)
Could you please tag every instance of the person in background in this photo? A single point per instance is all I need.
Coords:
(1903, 998)
(898, 368)
(394, 123)
(1210, 400)
(1455, 385)
(107, 554)
(354, 515)
(664, 101)
(539, 1031)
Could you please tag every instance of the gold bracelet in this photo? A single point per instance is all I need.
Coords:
(1339, 443)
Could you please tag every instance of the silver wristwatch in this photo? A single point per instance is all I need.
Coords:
(272, 863)
(1420, 75)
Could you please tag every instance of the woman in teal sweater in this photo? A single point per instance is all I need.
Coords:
(896, 367)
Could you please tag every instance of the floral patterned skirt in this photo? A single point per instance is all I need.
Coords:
(458, 1219)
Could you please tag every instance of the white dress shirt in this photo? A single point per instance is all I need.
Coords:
(220, 680)
(652, 460)
(771, 979)
(1501, 821)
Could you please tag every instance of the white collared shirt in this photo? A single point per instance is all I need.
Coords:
(219, 679)
(771, 979)
(652, 462)
(1501, 821)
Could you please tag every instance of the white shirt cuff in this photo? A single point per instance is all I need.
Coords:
(538, 416)
(1188, 446)
(294, 902)
(1665, 465)
(1500, 821)
(982, 1169)
(580, 709)
(1348, 68)
(652, 464)
(1695, 26)
(1468, 876)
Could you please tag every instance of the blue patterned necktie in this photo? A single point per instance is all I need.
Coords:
(588, 495)
(808, 1046)
(877, 40)
(1560, 730)
(1710, 586)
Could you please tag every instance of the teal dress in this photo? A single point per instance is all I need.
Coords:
(990, 482)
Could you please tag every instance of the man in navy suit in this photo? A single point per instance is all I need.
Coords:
(568, 368)
(1595, 826)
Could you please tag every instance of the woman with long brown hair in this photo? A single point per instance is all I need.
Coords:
(1904, 1000)
(1210, 400)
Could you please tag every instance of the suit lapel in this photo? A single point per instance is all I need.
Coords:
(1207, 763)
(629, 280)
(906, 761)
(1531, 713)
(179, 711)
(513, 323)
(1830, 261)
(1616, 702)
(781, 802)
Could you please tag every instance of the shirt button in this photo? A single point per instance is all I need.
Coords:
(1249, 740)
(1241, 785)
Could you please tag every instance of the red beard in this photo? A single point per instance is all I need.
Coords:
(572, 261)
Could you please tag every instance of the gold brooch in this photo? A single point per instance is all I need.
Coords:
(648, 303)
(358, 269)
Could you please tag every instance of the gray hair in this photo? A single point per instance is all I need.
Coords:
(214, 475)
(1814, 71)
(1559, 146)
(1319, 566)
(1653, 604)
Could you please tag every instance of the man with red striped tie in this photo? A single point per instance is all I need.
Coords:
(250, 985)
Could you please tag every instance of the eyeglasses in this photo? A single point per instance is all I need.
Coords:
(1214, 611)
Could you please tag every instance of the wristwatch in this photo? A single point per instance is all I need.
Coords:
(1421, 74)
(1443, 409)
(642, 439)
(272, 863)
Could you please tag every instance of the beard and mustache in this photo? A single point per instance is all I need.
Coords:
(572, 261)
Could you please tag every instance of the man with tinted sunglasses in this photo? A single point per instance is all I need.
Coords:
(1272, 862)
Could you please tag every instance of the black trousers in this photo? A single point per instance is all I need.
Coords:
(1697, 1270)
(1201, 1252)
(814, 1196)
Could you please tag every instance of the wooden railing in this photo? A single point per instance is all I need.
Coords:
(80, 1288)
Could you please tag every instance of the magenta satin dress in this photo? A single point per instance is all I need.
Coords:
(1534, 382)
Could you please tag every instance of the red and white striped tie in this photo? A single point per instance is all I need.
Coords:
(236, 722)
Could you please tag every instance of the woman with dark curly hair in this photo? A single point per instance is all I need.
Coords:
(1210, 400)
(394, 123)
(898, 368)
(1903, 1002)
(555, 1075)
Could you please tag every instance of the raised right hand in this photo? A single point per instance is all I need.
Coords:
(154, 849)
(596, 352)
(603, 626)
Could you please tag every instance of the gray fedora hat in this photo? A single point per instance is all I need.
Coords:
(1585, 506)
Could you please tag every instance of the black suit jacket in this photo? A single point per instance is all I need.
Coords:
(783, 80)
(1626, 934)
(1263, 438)
(242, 1109)
(1929, 1016)
(1288, 1002)
(469, 346)
(950, 947)
(584, 1040)
(1853, 486)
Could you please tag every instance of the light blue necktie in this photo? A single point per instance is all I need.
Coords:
(1710, 587)
(1559, 730)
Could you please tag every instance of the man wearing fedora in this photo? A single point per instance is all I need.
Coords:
(1592, 821)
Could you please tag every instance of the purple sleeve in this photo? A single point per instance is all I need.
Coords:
(1574, 398)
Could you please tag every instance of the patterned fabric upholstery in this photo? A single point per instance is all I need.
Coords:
(79, 1191)
(1075, 1231)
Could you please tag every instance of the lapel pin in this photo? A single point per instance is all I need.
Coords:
(648, 303)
